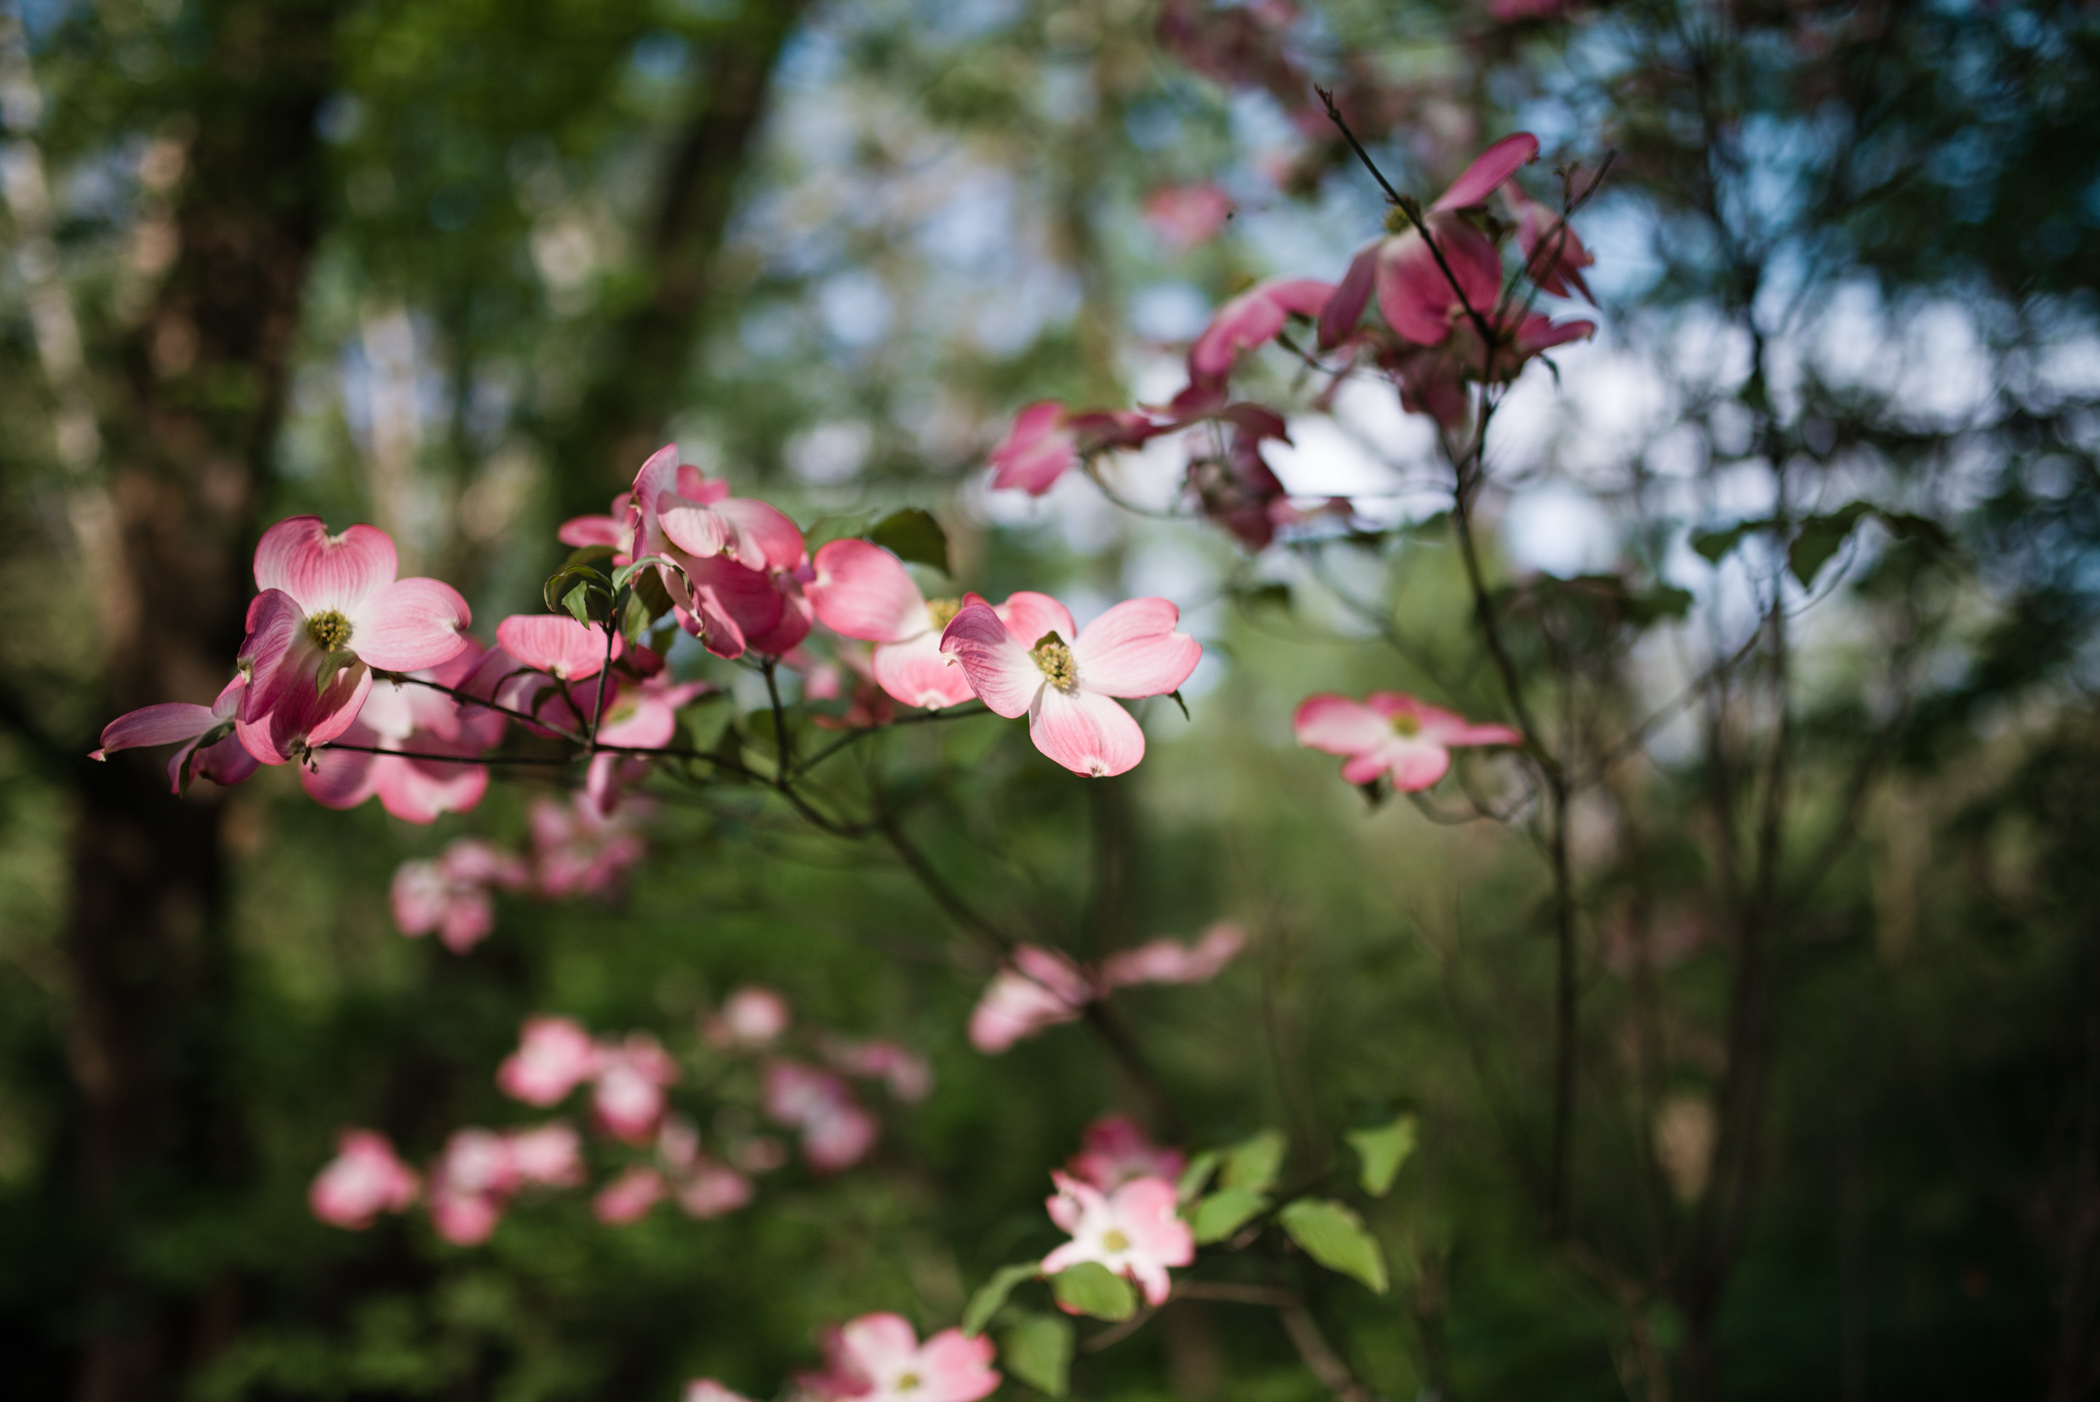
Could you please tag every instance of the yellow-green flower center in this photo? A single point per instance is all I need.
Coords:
(943, 610)
(1114, 1240)
(907, 1382)
(1054, 660)
(1407, 723)
(328, 630)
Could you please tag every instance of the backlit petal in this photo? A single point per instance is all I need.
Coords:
(999, 669)
(863, 591)
(1085, 732)
(322, 571)
(1489, 169)
(1133, 650)
(411, 623)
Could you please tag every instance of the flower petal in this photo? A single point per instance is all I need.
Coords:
(1416, 762)
(1085, 732)
(1346, 307)
(776, 540)
(1489, 169)
(322, 571)
(1029, 615)
(410, 624)
(554, 643)
(1340, 726)
(999, 669)
(1133, 650)
(956, 1368)
(863, 591)
(1036, 451)
(916, 674)
(879, 1345)
(164, 724)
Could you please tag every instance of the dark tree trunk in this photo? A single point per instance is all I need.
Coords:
(190, 432)
(634, 382)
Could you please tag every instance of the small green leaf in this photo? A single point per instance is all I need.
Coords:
(1925, 532)
(1820, 538)
(1337, 1238)
(1223, 1213)
(1382, 1151)
(826, 529)
(1175, 696)
(1197, 1174)
(1037, 1349)
(992, 1294)
(1091, 1288)
(1663, 601)
(1713, 546)
(912, 534)
(578, 601)
(333, 662)
(1274, 594)
(1254, 1163)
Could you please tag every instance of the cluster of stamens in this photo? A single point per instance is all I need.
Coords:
(328, 630)
(1407, 723)
(943, 610)
(1054, 660)
(1114, 1240)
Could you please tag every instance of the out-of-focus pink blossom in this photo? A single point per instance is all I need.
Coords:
(419, 721)
(1186, 215)
(1254, 318)
(628, 1197)
(327, 601)
(750, 1018)
(209, 748)
(364, 1179)
(1512, 11)
(554, 1056)
(708, 1390)
(547, 1156)
(1391, 733)
(906, 1073)
(761, 1153)
(1554, 254)
(1170, 961)
(631, 1076)
(1047, 440)
(1135, 1231)
(451, 894)
(1034, 662)
(836, 1132)
(878, 1358)
(1040, 989)
(579, 850)
(1115, 1150)
(473, 1175)
(640, 715)
(702, 1187)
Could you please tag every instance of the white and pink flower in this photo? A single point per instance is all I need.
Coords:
(364, 1179)
(1135, 1231)
(1391, 733)
(878, 1358)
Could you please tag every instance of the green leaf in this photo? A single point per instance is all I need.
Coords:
(588, 556)
(1037, 1349)
(1663, 601)
(1713, 546)
(579, 600)
(1820, 538)
(992, 1294)
(1223, 1213)
(1254, 1163)
(1091, 1288)
(1197, 1174)
(1925, 532)
(826, 529)
(912, 534)
(1337, 1238)
(1382, 1151)
(1274, 594)
(1175, 696)
(649, 588)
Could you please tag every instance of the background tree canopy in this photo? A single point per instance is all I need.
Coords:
(1790, 1084)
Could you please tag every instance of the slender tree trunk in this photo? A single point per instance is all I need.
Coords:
(190, 430)
(634, 382)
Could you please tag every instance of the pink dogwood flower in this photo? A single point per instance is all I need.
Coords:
(638, 716)
(363, 1180)
(209, 748)
(1135, 1231)
(1039, 990)
(702, 1187)
(616, 530)
(578, 849)
(878, 1358)
(469, 1183)
(1114, 1151)
(450, 896)
(1170, 961)
(554, 1056)
(631, 1076)
(708, 1390)
(327, 601)
(835, 1131)
(1036, 663)
(547, 1156)
(1047, 440)
(1554, 254)
(906, 1073)
(405, 717)
(863, 591)
(750, 1018)
(1391, 733)
(1186, 215)
(1252, 319)
(556, 644)
(628, 1197)
(728, 555)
